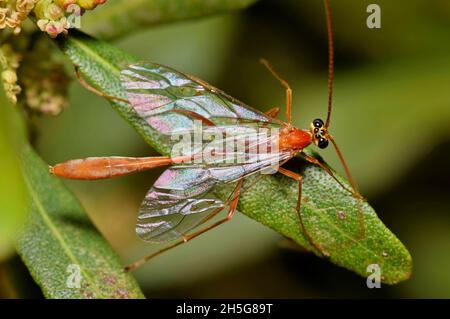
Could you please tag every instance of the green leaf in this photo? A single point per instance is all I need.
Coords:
(330, 214)
(12, 188)
(59, 242)
(120, 17)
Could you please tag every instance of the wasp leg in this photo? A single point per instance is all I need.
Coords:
(286, 86)
(94, 90)
(233, 201)
(298, 178)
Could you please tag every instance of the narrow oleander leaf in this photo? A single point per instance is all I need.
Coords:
(331, 216)
(64, 252)
(120, 17)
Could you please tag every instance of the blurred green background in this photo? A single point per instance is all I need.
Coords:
(391, 118)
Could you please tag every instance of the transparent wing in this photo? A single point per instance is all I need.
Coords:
(228, 144)
(179, 200)
(183, 197)
(169, 101)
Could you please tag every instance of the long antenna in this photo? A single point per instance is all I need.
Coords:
(330, 60)
(283, 83)
(330, 93)
(344, 164)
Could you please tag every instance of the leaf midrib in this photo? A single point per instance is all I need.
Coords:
(95, 56)
(326, 219)
(45, 216)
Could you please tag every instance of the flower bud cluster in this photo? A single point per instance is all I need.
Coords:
(53, 16)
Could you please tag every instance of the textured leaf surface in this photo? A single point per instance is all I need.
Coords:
(330, 214)
(59, 242)
(120, 17)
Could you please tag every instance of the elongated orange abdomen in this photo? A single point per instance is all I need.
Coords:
(92, 168)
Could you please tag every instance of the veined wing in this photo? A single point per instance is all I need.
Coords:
(182, 198)
(170, 101)
(228, 144)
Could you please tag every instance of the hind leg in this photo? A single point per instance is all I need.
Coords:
(233, 201)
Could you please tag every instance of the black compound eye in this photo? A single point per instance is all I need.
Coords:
(316, 130)
(318, 123)
(322, 142)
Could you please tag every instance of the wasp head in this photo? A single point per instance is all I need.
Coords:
(319, 133)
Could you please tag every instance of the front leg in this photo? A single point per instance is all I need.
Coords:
(315, 161)
(356, 195)
(298, 178)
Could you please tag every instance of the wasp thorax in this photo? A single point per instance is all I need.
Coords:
(319, 133)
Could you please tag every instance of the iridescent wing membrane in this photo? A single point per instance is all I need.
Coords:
(170, 102)
(182, 198)
(163, 96)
